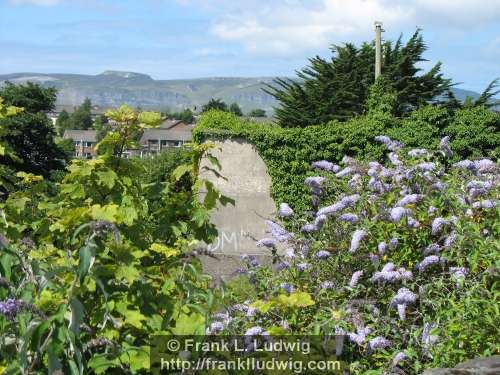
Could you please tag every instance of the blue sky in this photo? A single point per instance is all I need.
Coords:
(170, 39)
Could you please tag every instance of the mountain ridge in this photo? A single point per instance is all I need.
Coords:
(112, 88)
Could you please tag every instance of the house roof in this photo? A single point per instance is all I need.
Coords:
(165, 135)
(81, 135)
(169, 124)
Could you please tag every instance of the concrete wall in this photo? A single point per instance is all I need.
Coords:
(249, 184)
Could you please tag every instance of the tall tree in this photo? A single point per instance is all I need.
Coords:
(215, 104)
(30, 134)
(63, 122)
(235, 108)
(82, 117)
(337, 89)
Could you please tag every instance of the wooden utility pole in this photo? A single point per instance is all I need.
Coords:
(378, 49)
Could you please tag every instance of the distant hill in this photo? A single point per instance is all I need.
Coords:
(112, 88)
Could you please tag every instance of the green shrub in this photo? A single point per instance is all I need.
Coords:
(289, 152)
(413, 230)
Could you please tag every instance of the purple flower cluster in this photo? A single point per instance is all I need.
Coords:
(427, 262)
(350, 218)
(355, 278)
(11, 307)
(326, 166)
(323, 254)
(285, 210)
(378, 343)
(266, 242)
(356, 239)
(389, 143)
(278, 232)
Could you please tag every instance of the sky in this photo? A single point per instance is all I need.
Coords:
(173, 39)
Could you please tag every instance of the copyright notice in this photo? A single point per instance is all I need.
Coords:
(246, 354)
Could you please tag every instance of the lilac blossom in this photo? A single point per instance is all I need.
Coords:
(459, 272)
(397, 213)
(404, 274)
(450, 240)
(345, 172)
(215, 327)
(440, 186)
(427, 262)
(398, 358)
(378, 343)
(288, 287)
(350, 218)
(251, 311)
(374, 258)
(382, 247)
(394, 159)
(11, 307)
(487, 203)
(315, 183)
(303, 266)
(485, 166)
(433, 248)
(323, 254)
(282, 266)
(285, 210)
(355, 182)
(326, 166)
(412, 223)
(320, 221)
(254, 331)
(357, 237)
(309, 228)
(404, 297)
(428, 339)
(402, 312)
(444, 145)
(251, 261)
(431, 210)
(355, 278)
(359, 337)
(437, 225)
(350, 200)
(465, 164)
(266, 242)
(330, 210)
(426, 167)
(289, 253)
(389, 143)
(409, 199)
(278, 232)
(393, 243)
(418, 152)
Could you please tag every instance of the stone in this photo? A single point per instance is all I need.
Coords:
(477, 366)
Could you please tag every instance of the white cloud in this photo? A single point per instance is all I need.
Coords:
(293, 26)
(36, 2)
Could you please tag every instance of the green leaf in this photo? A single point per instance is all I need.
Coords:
(86, 256)
(107, 178)
(107, 212)
(77, 315)
(181, 170)
(189, 324)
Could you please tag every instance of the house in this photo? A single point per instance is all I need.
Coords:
(84, 141)
(157, 139)
(175, 125)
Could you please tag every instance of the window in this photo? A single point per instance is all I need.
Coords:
(88, 144)
(88, 155)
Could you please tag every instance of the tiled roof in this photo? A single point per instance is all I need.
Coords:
(81, 135)
(165, 134)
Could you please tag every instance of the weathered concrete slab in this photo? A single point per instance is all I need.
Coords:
(249, 184)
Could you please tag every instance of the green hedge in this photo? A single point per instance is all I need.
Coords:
(289, 152)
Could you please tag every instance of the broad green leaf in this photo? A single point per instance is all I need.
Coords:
(77, 315)
(189, 324)
(107, 178)
(107, 212)
(181, 170)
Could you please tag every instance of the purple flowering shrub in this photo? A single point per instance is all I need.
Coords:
(401, 258)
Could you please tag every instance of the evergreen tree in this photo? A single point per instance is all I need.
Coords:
(63, 122)
(82, 117)
(215, 104)
(337, 89)
(101, 126)
(235, 108)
